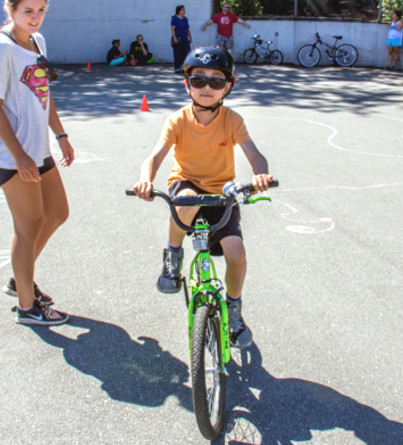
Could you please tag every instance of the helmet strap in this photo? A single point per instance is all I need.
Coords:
(212, 109)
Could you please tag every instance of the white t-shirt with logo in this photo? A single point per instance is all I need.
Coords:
(24, 89)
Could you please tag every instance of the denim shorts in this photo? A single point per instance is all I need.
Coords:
(212, 215)
(6, 174)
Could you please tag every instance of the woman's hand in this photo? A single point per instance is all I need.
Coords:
(68, 152)
(27, 169)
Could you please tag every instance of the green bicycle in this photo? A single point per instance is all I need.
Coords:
(209, 345)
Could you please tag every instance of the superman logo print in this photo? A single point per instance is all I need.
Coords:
(36, 80)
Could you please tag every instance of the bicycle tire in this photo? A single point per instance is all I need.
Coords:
(208, 399)
(250, 56)
(308, 56)
(346, 55)
(276, 57)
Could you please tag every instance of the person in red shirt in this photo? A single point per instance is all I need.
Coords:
(225, 21)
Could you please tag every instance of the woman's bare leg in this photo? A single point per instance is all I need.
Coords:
(26, 206)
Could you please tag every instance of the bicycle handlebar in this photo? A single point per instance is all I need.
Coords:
(230, 192)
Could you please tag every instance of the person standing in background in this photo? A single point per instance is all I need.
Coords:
(394, 42)
(225, 21)
(181, 37)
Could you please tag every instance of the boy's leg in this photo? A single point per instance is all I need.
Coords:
(169, 280)
(235, 258)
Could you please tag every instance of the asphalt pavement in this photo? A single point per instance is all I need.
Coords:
(323, 294)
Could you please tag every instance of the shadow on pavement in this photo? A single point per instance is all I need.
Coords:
(132, 371)
(264, 410)
(107, 91)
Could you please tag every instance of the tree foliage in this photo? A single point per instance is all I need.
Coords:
(388, 6)
(246, 7)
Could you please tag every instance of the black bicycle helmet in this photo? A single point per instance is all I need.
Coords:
(210, 57)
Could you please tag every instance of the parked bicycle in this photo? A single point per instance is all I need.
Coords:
(343, 55)
(209, 345)
(261, 52)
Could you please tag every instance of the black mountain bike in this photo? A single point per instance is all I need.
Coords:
(261, 52)
(343, 55)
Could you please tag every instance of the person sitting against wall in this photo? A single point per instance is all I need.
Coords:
(114, 56)
(139, 51)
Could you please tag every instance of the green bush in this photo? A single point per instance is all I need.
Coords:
(246, 7)
(388, 6)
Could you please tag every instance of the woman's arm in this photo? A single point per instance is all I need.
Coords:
(57, 128)
(173, 34)
(27, 169)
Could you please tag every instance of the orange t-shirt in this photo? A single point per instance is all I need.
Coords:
(204, 155)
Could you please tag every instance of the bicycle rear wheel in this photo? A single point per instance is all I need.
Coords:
(346, 55)
(250, 56)
(276, 57)
(308, 56)
(208, 380)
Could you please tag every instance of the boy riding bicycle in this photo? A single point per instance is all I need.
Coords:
(204, 134)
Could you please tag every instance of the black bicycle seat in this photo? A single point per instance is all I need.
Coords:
(338, 37)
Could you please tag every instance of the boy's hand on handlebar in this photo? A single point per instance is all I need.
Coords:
(142, 189)
(261, 182)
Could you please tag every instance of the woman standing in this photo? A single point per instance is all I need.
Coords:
(28, 175)
(181, 37)
(394, 41)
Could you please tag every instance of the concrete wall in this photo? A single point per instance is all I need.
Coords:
(78, 31)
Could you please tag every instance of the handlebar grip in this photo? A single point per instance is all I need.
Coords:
(250, 188)
(130, 192)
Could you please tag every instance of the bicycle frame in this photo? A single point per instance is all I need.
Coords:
(326, 47)
(206, 288)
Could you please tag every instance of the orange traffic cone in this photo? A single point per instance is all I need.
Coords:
(144, 105)
(89, 67)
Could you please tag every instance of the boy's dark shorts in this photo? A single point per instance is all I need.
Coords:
(6, 174)
(212, 215)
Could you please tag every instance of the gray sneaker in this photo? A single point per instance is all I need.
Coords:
(240, 336)
(169, 281)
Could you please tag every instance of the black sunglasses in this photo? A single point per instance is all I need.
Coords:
(216, 83)
(43, 63)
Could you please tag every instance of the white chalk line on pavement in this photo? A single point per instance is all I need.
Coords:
(319, 225)
(80, 157)
(331, 137)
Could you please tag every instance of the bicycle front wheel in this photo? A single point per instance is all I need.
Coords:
(346, 55)
(276, 57)
(308, 56)
(250, 56)
(208, 379)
